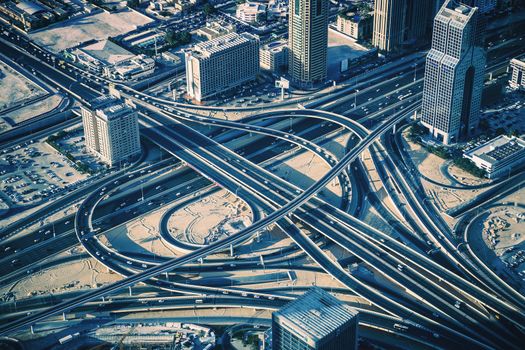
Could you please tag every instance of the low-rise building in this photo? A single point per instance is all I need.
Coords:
(250, 11)
(517, 80)
(20, 17)
(499, 156)
(277, 9)
(111, 130)
(213, 30)
(136, 67)
(355, 25)
(145, 39)
(220, 64)
(113, 61)
(274, 56)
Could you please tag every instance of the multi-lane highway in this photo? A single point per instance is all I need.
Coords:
(445, 296)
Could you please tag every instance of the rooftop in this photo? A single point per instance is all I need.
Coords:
(317, 313)
(102, 101)
(107, 52)
(31, 7)
(275, 45)
(498, 149)
(520, 60)
(114, 111)
(456, 11)
(223, 43)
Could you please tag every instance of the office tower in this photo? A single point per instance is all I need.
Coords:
(454, 74)
(315, 321)
(389, 24)
(308, 41)
(399, 23)
(111, 130)
(220, 64)
(418, 22)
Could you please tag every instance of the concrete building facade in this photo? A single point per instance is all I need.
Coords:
(389, 24)
(111, 130)
(315, 321)
(220, 64)
(517, 80)
(355, 26)
(274, 56)
(401, 23)
(308, 41)
(454, 74)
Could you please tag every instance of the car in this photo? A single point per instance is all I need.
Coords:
(129, 262)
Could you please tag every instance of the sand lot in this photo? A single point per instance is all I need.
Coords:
(210, 219)
(14, 87)
(99, 26)
(82, 274)
(22, 114)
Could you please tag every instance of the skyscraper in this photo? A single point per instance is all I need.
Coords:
(454, 74)
(111, 130)
(308, 41)
(389, 24)
(315, 321)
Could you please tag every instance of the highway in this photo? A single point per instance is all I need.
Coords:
(431, 289)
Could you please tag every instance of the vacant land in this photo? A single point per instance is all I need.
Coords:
(99, 26)
(15, 88)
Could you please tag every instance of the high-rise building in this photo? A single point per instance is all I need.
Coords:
(401, 22)
(418, 22)
(220, 64)
(111, 130)
(454, 74)
(315, 321)
(308, 41)
(389, 24)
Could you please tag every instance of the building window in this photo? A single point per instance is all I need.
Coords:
(296, 6)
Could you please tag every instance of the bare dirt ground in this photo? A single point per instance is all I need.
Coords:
(99, 26)
(34, 109)
(14, 87)
(82, 274)
(210, 219)
(432, 166)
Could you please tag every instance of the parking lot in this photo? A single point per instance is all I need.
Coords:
(72, 142)
(508, 114)
(33, 172)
